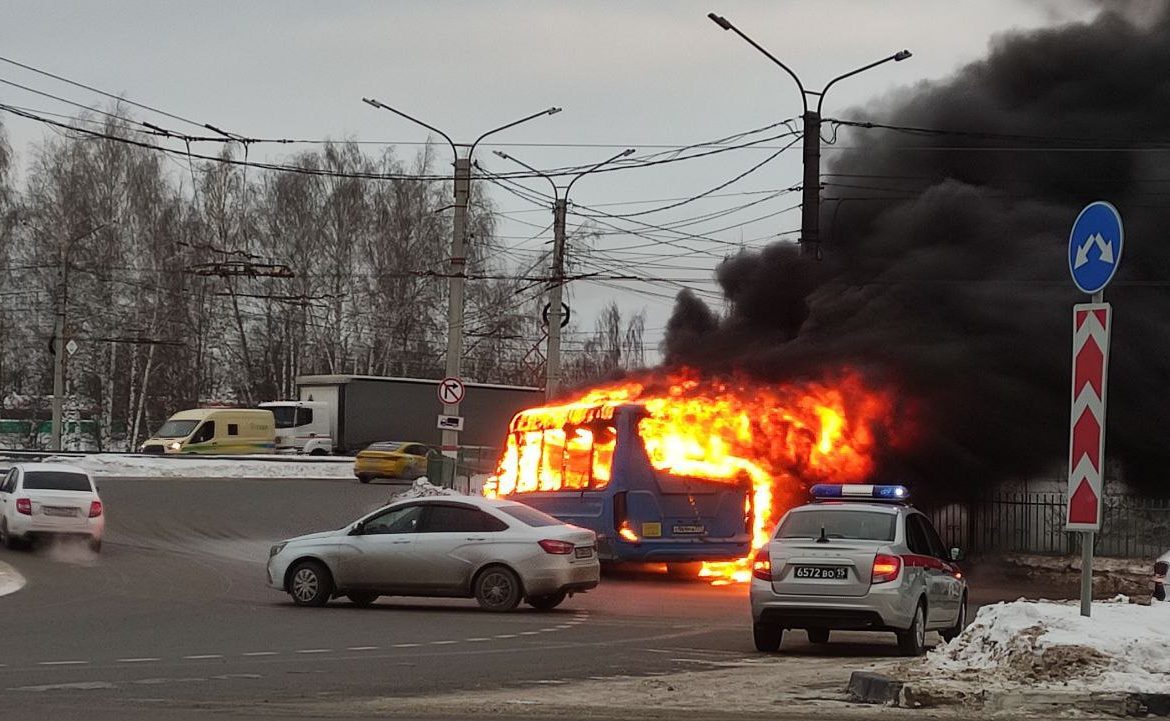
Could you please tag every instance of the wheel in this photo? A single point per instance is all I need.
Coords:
(317, 452)
(767, 637)
(912, 641)
(497, 588)
(362, 598)
(684, 570)
(818, 635)
(310, 584)
(364, 479)
(547, 602)
(949, 634)
(10, 541)
(95, 545)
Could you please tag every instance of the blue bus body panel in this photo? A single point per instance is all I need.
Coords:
(676, 519)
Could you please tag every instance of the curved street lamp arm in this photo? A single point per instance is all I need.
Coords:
(577, 177)
(505, 156)
(377, 104)
(897, 57)
(726, 25)
(514, 123)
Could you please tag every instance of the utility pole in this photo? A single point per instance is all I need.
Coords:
(59, 335)
(552, 381)
(458, 261)
(810, 204)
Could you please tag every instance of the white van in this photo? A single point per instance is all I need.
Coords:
(302, 427)
(227, 431)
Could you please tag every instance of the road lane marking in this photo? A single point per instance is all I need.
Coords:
(314, 650)
(136, 660)
(79, 686)
(62, 663)
(201, 656)
(261, 653)
(406, 645)
(476, 640)
(442, 643)
(529, 633)
(361, 648)
(505, 635)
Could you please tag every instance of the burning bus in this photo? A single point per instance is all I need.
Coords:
(685, 470)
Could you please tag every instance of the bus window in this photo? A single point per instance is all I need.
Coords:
(528, 462)
(552, 459)
(578, 456)
(604, 440)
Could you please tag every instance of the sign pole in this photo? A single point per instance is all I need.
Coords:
(1094, 252)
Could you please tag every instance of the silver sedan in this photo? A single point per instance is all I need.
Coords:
(496, 551)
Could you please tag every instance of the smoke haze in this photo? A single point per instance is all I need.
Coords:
(944, 271)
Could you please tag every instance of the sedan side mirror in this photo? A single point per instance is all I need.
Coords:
(358, 528)
(956, 554)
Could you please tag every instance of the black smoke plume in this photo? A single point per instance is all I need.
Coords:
(944, 273)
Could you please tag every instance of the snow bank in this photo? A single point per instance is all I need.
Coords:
(10, 580)
(423, 488)
(1122, 647)
(109, 465)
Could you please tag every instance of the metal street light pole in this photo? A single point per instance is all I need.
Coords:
(552, 381)
(458, 261)
(59, 334)
(810, 208)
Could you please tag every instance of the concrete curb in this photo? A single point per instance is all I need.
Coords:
(868, 687)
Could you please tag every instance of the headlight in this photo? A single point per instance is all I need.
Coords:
(174, 445)
(276, 549)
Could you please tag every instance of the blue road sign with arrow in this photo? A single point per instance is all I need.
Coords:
(1094, 246)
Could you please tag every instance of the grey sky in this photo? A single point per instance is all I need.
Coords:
(628, 74)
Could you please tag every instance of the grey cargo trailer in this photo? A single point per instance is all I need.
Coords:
(365, 409)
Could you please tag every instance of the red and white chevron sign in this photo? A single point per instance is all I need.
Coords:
(1086, 458)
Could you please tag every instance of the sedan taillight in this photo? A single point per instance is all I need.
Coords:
(24, 506)
(557, 548)
(885, 568)
(762, 565)
(95, 509)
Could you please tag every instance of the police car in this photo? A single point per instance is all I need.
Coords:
(857, 558)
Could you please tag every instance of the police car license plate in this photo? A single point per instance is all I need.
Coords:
(827, 572)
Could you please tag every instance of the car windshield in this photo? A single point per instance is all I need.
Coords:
(529, 516)
(56, 481)
(839, 523)
(176, 429)
(286, 416)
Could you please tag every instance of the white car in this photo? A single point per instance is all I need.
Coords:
(496, 551)
(50, 499)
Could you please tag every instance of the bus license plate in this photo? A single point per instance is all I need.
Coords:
(827, 572)
(583, 552)
(688, 530)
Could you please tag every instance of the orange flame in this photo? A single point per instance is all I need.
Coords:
(781, 437)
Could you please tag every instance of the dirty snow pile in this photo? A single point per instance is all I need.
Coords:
(423, 488)
(112, 465)
(1123, 647)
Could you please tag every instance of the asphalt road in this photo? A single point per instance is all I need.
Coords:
(173, 619)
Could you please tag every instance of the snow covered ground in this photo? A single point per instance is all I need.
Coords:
(110, 465)
(1122, 647)
(10, 580)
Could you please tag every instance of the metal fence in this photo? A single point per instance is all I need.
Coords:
(1030, 522)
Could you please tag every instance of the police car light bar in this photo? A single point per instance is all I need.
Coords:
(823, 491)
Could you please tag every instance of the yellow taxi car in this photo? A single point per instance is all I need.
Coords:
(391, 459)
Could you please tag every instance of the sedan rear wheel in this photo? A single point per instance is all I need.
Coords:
(498, 589)
(9, 540)
(310, 584)
(767, 637)
(912, 641)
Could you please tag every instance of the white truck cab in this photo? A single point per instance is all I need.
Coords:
(301, 427)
